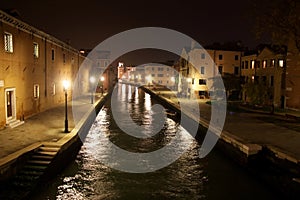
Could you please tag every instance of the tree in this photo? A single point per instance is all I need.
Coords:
(279, 19)
(257, 93)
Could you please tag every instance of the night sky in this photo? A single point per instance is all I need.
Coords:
(87, 23)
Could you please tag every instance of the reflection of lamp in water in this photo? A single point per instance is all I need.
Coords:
(92, 80)
(66, 85)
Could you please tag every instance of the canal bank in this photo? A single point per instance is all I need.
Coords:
(32, 166)
(267, 161)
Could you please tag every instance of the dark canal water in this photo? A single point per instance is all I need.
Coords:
(214, 177)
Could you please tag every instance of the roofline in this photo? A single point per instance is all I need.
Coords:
(14, 22)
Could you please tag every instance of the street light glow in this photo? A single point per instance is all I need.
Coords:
(66, 84)
(92, 79)
(102, 78)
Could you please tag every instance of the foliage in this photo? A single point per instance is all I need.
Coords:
(258, 93)
(279, 19)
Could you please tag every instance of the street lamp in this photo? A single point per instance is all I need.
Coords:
(92, 80)
(102, 79)
(66, 85)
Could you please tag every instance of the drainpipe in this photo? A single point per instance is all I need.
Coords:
(45, 67)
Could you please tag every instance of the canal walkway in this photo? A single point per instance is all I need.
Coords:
(46, 126)
(252, 128)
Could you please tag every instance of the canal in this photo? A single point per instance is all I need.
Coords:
(189, 177)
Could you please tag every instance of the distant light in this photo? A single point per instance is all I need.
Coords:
(120, 64)
(172, 79)
(92, 79)
(82, 51)
(102, 78)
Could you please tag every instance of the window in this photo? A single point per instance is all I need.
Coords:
(272, 64)
(160, 75)
(272, 81)
(152, 68)
(153, 75)
(202, 70)
(202, 82)
(53, 89)
(36, 91)
(252, 64)
(8, 42)
(280, 63)
(52, 54)
(236, 57)
(64, 58)
(257, 63)
(202, 93)
(203, 56)
(246, 64)
(105, 63)
(243, 65)
(193, 81)
(264, 80)
(236, 70)
(264, 64)
(220, 57)
(35, 50)
(220, 69)
(187, 70)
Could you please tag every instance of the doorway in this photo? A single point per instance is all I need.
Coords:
(10, 104)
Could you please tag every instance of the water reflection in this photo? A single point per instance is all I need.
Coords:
(187, 178)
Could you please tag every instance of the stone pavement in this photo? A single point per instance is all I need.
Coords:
(42, 127)
(254, 128)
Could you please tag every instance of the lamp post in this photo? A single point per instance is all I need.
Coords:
(66, 85)
(102, 79)
(92, 80)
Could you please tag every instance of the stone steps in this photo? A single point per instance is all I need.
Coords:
(14, 123)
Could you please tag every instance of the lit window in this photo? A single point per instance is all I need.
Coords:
(8, 42)
(36, 91)
(252, 64)
(280, 63)
(202, 70)
(272, 63)
(36, 50)
(264, 64)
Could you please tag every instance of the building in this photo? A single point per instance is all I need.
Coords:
(33, 65)
(199, 67)
(293, 77)
(266, 69)
(160, 75)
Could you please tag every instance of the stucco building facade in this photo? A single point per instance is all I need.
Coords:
(33, 65)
